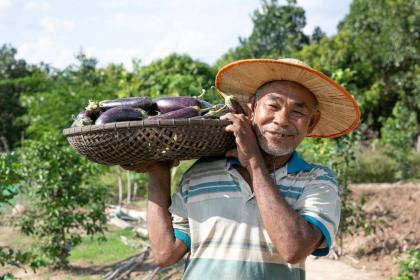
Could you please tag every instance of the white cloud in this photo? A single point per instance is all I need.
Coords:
(46, 50)
(115, 55)
(37, 5)
(55, 24)
(5, 4)
(175, 28)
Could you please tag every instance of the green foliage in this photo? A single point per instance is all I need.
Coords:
(9, 187)
(65, 198)
(16, 77)
(52, 109)
(372, 168)
(101, 252)
(409, 267)
(175, 75)
(9, 177)
(277, 32)
(398, 132)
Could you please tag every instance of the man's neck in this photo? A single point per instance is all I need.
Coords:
(275, 162)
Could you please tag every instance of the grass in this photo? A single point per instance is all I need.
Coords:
(103, 252)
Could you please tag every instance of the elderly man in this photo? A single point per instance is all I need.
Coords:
(261, 210)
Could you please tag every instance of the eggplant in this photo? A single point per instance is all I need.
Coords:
(215, 112)
(142, 102)
(234, 105)
(81, 120)
(93, 110)
(120, 114)
(171, 103)
(186, 112)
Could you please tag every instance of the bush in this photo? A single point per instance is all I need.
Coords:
(397, 134)
(372, 168)
(66, 200)
(409, 267)
(377, 167)
(414, 171)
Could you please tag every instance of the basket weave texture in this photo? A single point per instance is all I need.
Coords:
(136, 142)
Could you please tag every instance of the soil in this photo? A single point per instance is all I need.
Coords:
(393, 207)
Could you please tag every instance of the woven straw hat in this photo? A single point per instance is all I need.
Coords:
(339, 111)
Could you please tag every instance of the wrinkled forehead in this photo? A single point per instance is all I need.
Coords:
(279, 89)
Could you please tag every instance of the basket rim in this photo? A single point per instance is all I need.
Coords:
(144, 123)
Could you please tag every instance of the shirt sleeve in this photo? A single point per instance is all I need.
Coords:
(320, 204)
(179, 212)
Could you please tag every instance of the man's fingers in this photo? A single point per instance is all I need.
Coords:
(232, 153)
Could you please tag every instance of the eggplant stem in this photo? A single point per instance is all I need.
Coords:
(201, 96)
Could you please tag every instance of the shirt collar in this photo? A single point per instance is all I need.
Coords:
(295, 164)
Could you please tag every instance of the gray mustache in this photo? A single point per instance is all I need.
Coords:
(281, 130)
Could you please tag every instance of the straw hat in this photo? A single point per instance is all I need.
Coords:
(339, 111)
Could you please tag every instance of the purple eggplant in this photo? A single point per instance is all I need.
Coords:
(93, 110)
(187, 112)
(234, 105)
(81, 120)
(120, 114)
(172, 103)
(142, 102)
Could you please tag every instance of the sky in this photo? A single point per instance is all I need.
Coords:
(116, 31)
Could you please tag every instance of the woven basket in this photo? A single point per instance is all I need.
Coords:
(136, 142)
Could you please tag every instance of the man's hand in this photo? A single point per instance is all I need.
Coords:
(247, 149)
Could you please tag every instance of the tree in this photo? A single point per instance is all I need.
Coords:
(66, 199)
(175, 75)
(378, 41)
(277, 32)
(16, 77)
(9, 188)
(317, 35)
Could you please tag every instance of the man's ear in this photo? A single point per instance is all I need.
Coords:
(251, 105)
(314, 121)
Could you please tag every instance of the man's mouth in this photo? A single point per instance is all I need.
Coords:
(277, 134)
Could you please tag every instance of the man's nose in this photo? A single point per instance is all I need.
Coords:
(281, 117)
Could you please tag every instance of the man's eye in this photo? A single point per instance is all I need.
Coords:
(298, 113)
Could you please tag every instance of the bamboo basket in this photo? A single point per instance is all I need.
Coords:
(137, 142)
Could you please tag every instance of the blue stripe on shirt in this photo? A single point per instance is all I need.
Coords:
(185, 238)
(212, 187)
(322, 251)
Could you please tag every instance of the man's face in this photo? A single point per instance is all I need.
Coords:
(283, 116)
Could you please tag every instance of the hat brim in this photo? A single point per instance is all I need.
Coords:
(339, 111)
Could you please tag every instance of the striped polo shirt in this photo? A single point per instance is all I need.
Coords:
(215, 214)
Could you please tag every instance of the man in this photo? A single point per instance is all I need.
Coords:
(259, 212)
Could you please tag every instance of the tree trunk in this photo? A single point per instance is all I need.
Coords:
(120, 188)
(134, 191)
(5, 144)
(128, 188)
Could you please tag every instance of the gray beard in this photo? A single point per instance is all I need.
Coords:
(274, 150)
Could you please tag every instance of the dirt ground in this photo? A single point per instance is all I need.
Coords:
(394, 207)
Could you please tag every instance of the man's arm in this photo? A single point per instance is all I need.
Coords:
(293, 237)
(166, 248)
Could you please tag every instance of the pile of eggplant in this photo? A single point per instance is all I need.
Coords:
(145, 108)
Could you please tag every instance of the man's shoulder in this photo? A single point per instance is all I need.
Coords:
(322, 173)
(207, 165)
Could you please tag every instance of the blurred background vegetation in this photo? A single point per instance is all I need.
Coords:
(375, 55)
